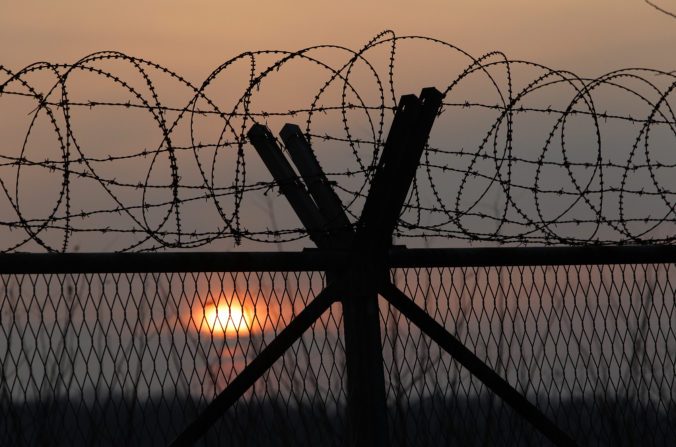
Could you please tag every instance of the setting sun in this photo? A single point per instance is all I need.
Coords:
(225, 319)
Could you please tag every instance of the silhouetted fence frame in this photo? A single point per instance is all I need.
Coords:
(357, 261)
(364, 275)
(332, 261)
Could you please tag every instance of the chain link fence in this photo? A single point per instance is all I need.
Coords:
(105, 359)
(592, 346)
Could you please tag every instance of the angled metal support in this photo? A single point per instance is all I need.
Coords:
(289, 183)
(397, 168)
(319, 187)
(478, 368)
(255, 370)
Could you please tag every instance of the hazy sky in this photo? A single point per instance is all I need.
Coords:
(194, 36)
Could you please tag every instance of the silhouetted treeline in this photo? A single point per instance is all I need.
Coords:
(433, 421)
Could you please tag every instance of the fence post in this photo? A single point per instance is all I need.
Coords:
(367, 404)
(321, 212)
(366, 397)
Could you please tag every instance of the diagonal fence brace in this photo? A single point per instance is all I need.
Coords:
(255, 370)
(478, 368)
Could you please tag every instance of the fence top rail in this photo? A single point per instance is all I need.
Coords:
(324, 260)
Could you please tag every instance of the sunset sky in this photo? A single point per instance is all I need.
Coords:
(192, 37)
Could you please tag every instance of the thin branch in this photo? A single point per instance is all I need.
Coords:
(664, 11)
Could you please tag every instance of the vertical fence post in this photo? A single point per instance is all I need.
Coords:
(322, 213)
(367, 404)
(366, 397)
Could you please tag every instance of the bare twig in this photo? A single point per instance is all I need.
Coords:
(662, 10)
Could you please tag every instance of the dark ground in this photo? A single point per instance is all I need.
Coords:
(433, 421)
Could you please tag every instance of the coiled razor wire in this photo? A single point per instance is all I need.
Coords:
(122, 152)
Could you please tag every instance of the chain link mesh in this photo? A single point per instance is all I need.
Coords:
(592, 346)
(102, 359)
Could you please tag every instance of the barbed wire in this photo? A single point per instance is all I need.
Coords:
(120, 152)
